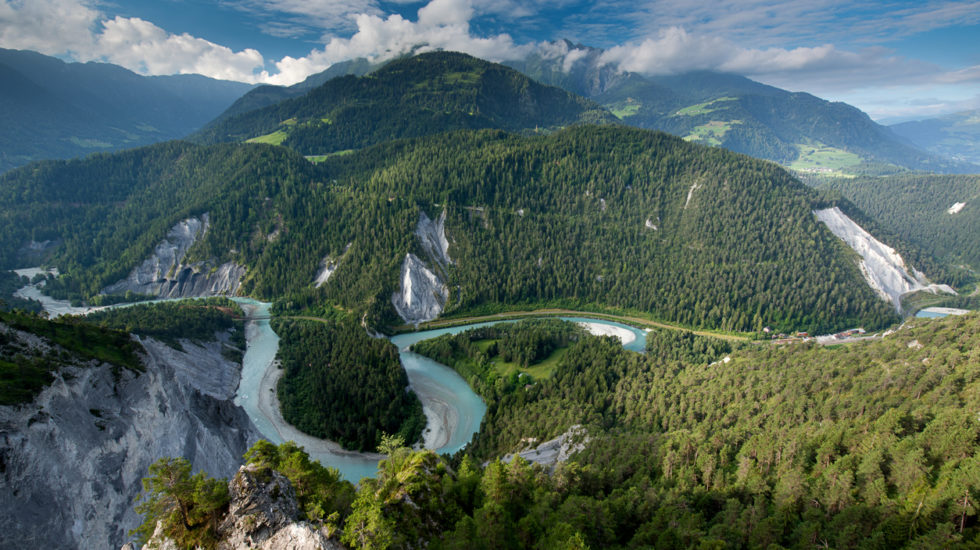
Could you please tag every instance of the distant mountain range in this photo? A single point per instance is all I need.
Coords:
(52, 109)
(797, 130)
(956, 136)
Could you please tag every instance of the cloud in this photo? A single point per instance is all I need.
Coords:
(307, 16)
(769, 22)
(440, 25)
(818, 69)
(47, 26)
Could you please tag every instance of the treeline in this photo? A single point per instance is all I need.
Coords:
(525, 343)
(338, 383)
(26, 367)
(196, 320)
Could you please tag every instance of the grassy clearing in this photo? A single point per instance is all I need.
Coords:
(320, 158)
(275, 138)
(711, 133)
(624, 109)
(822, 158)
(703, 108)
(90, 143)
(538, 371)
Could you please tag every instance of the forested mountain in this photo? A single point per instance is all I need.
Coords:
(410, 97)
(793, 129)
(590, 217)
(938, 213)
(267, 94)
(955, 136)
(52, 109)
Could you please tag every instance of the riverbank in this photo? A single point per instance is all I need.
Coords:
(637, 322)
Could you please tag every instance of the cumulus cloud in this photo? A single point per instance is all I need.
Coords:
(440, 25)
(145, 47)
(47, 26)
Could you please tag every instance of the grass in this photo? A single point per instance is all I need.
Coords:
(320, 158)
(711, 133)
(703, 108)
(275, 138)
(90, 143)
(822, 158)
(624, 109)
(538, 371)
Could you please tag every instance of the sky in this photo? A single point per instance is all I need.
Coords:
(894, 59)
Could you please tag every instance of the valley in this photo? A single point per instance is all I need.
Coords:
(449, 303)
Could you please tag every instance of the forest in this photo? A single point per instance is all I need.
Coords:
(411, 97)
(338, 383)
(473, 353)
(870, 445)
(916, 208)
(599, 218)
(196, 320)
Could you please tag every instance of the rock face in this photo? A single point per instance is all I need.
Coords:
(423, 293)
(556, 450)
(165, 274)
(432, 235)
(262, 514)
(883, 268)
(71, 462)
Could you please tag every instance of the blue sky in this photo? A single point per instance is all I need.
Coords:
(894, 59)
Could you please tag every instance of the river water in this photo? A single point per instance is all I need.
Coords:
(454, 411)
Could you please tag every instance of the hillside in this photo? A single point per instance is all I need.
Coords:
(956, 136)
(409, 97)
(797, 130)
(601, 218)
(936, 212)
(51, 109)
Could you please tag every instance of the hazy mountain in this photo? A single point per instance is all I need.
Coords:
(956, 136)
(794, 129)
(52, 109)
(409, 97)
(266, 94)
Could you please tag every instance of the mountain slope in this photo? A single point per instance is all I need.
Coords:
(794, 129)
(51, 109)
(602, 218)
(267, 94)
(938, 213)
(956, 136)
(409, 97)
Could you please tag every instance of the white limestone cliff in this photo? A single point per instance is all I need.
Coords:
(164, 273)
(73, 459)
(883, 268)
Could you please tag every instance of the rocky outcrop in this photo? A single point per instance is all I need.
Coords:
(422, 294)
(327, 267)
(72, 461)
(263, 514)
(164, 273)
(554, 451)
(432, 235)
